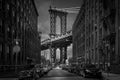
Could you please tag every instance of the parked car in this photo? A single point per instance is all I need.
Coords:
(25, 75)
(66, 68)
(38, 70)
(90, 71)
(49, 68)
(77, 69)
(72, 68)
(45, 69)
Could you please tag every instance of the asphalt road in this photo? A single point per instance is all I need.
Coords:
(58, 74)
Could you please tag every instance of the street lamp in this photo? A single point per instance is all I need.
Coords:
(108, 59)
(16, 49)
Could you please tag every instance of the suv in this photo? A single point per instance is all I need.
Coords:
(26, 74)
(90, 71)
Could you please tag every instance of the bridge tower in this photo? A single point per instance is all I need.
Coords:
(63, 19)
(63, 22)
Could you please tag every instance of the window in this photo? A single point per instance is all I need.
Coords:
(27, 18)
(0, 5)
(8, 31)
(89, 42)
(21, 9)
(13, 13)
(8, 54)
(92, 26)
(17, 18)
(1, 28)
(29, 22)
(8, 6)
(95, 38)
(0, 53)
(21, 23)
(18, 3)
(0, 48)
(29, 11)
(8, 49)
(100, 33)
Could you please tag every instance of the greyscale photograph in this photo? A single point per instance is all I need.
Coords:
(59, 39)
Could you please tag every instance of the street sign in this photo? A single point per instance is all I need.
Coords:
(16, 48)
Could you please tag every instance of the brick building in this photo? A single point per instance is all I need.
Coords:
(101, 33)
(79, 36)
(18, 22)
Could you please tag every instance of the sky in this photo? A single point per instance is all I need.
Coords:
(44, 17)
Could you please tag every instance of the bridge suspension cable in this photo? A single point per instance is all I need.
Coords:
(68, 10)
(71, 8)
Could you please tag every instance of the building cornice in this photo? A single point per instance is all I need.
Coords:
(35, 7)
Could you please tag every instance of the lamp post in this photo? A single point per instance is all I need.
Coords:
(16, 49)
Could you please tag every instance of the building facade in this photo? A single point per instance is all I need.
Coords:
(79, 36)
(18, 25)
(101, 33)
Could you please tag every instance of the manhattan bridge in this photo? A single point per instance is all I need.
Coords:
(59, 41)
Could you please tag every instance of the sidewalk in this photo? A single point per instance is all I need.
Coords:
(8, 75)
(111, 76)
(8, 78)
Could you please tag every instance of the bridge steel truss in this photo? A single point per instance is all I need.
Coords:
(63, 20)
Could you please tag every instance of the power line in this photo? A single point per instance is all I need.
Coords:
(71, 8)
